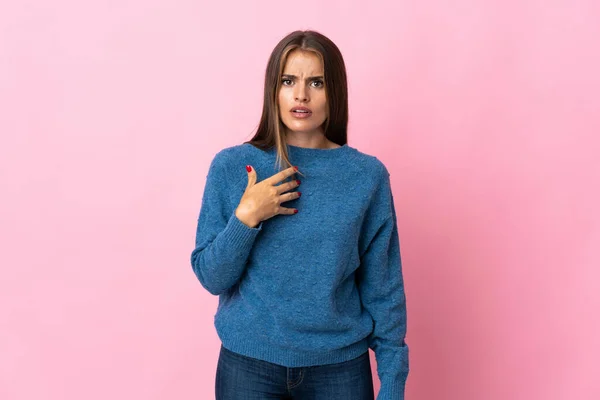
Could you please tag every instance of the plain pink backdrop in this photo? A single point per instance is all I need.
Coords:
(485, 112)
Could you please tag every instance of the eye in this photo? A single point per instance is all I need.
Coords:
(320, 82)
(284, 80)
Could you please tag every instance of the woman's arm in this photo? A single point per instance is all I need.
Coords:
(223, 242)
(381, 286)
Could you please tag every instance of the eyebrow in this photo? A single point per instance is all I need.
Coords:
(309, 78)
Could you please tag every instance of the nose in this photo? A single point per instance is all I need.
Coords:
(300, 94)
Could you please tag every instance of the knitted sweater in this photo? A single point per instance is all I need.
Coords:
(317, 287)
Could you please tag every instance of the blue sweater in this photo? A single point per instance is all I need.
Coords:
(317, 287)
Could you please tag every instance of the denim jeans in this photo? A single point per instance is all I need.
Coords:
(244, 378)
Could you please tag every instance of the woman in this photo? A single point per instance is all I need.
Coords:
(307, 280)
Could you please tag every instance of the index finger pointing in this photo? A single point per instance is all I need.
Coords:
(281, 175)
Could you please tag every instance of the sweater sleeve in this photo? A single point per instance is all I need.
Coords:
(223, 242)
(381, 286)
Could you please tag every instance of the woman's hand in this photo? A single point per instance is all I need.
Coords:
(263, 200)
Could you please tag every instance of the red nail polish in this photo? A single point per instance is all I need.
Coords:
(248, 168)
(295, 211)
(295, 168)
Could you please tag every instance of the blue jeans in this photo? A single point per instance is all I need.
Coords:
(244, 378)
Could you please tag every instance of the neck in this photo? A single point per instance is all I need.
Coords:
(314, 141)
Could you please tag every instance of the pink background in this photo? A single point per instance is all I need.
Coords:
(485, 112)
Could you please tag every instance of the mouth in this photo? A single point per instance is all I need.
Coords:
(301, 112)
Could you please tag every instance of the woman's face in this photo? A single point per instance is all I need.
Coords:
(302, 85)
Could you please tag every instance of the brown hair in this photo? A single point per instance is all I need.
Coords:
(270, 129)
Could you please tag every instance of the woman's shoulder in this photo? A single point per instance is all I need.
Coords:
(236, 152)
(232, 160)
(371, 164)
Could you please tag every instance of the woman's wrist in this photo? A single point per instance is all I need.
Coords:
(246, 218)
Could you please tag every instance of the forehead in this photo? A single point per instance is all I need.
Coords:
(303, 62)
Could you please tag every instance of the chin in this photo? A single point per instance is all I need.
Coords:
(303, 129)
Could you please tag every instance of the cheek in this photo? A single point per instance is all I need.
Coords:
(322, 100)
(325, 107)
(280, 103)
(284, 93)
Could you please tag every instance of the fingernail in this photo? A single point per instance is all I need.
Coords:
(248, 168)
(295, 168)
(295, 211)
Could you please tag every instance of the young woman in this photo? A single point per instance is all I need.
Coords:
(297, 236)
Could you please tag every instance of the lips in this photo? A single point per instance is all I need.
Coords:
(305, 110)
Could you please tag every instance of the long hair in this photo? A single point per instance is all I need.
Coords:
(270, 129)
